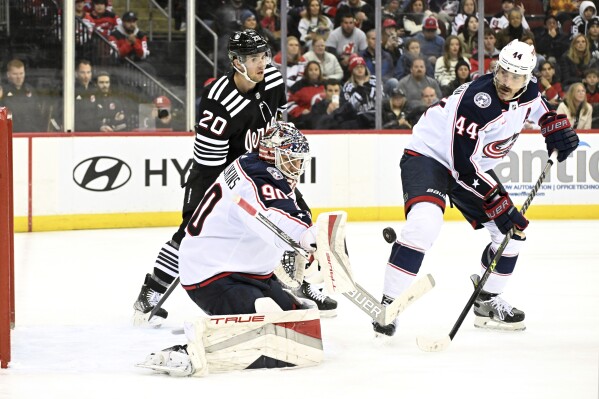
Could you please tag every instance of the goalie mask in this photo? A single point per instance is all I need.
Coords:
(516, 58)
(243, 44)
(287, 148)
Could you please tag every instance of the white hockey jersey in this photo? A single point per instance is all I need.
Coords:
(222, 238)
(470, 131)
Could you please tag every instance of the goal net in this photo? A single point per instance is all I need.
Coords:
(7, 297)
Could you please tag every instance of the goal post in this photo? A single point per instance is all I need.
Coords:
(7, 296)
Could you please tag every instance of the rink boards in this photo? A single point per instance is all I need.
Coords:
(134, 180)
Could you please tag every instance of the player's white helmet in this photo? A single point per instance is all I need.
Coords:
(285, 146)
(519, 58)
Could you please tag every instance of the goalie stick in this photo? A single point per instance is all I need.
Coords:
(360, 297)
(437, 345)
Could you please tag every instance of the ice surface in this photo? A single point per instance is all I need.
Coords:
(75, 291)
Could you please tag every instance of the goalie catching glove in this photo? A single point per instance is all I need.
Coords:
(501, 210)
(558, 134)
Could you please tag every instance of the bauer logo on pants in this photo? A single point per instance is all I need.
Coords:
(101, 174)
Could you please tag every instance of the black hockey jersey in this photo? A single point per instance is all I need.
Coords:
(231, 123)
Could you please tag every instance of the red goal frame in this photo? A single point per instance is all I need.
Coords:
(7, 282)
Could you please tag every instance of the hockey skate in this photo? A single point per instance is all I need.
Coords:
(326, 305)
(492, 312)
(381, 331)
(147, 299)
(173, 361)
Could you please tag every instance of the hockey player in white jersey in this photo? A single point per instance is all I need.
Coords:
(453, 150)
(227, 259)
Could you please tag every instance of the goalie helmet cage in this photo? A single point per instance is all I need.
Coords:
(7, 297)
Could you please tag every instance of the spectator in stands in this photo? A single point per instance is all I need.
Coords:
(467, 8)
(346, 40)
(362, 11)
(593, 38)
(270, 20)
(491, 53)
(576, 107)
(428, 97)
(417, 80)
(445, 65)
(314, 24)
(574, 62)
(105, 21)
(128, 40)
(462, 75)
(514, 30)
(387, 67)
(110, 112)
(248, 21)
(431, 44)
(562, 9)
(22, 100)
(84, 16)
(590, 80)
(549, 85)
(586, 10)
(392, 41)
(469, 36)
(359, 91)
(395, 110)
(392, 10)
(303, 94)
(163, 115)
(404, 64)
(326, 113)
(295, 61)
(85, 98)
(331, 69)
(501, 20)
(415, 16)
(551, 41)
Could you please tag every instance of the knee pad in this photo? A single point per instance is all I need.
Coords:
(423, 225)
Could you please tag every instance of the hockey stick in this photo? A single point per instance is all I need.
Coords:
(438, 345)
(168, 292)
(360, 297)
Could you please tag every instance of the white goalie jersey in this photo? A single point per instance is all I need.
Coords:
(222, 238)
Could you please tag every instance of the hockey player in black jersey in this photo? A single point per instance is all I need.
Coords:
(235, 111)
(452, 152)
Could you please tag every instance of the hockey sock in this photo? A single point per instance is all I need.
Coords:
(166, 268)
(404, 263)
(499, 277)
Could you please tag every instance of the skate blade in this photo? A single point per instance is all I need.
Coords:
(328, 313)
(141, 320)
(491, 324)
(172, 371)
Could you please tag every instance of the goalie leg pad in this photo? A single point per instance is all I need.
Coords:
(250, 341)
(331, 252)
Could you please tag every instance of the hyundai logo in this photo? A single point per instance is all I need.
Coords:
(101, 174)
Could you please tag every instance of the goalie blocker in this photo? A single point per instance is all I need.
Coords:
(270, 338)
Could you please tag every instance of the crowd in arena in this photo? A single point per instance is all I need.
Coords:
(429, 49)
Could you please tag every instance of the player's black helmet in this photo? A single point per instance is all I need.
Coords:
(247, 42)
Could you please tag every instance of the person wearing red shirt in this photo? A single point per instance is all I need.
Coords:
(129, 40)
(305, 93)
(549, 86)
(105, 21)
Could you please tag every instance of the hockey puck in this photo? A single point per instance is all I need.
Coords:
(389, 235)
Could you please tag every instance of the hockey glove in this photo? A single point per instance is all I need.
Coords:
(558, 134)
(502, 211)
(308, 239)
